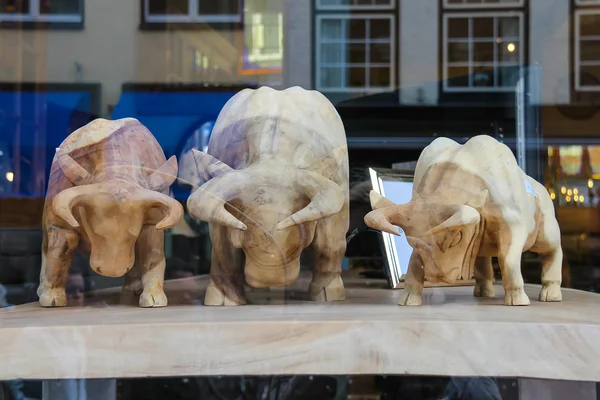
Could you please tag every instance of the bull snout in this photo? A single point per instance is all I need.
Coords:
(112, 263)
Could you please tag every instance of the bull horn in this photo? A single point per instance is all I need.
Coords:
(380, 219)
(378, 201)
(63, 203)
(208, 166)
(384, 216)
(207, 203)
(161, 179)
(71, 168)
(174, 209)
(463, 216)
(326, 198)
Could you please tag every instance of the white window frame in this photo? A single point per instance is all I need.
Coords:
(583, 3)
(34, 15)
(371, 7)
(469, 64)
(392, 64)
(192, 16)
(577, 47)
(479, 6)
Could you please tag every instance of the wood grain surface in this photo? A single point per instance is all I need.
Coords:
(283, 332)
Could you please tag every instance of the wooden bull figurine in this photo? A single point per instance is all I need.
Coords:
(470, 203)
(276, 174)
(108, 196)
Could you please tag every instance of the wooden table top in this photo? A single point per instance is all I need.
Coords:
(452, 334)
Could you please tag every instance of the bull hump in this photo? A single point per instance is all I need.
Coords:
(95, 132)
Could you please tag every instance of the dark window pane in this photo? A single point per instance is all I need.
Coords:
(60, 6)
(508, 76)
(14, 6)
(382, 2)
(458, 28)
(455, 1)
(221, 7)
(508, 51)
(380, 29)
(483, 76)
(483, 27)
(356, 29)
(589, 50)
(331, 77)
(458, 76)
(379, 76)
(458, 52)
(590, 75)
(356, 53)
(380, 52)
(483, 52)
(356, 77)
(589, 25)
(172, 7)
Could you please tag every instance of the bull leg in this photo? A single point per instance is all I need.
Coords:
(511, 249)
(226, 285)
(150, 258)
(329, 247)
(133, 280)
(412, 295)
(549, 249)
(56, 263)
(484, 277)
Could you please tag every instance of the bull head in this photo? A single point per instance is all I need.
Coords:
(226, 184)
(446, 236)
(113, 213)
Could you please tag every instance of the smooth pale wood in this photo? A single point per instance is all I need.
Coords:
(108, 196)
(470, 203)
(277, 185)
(452, 334)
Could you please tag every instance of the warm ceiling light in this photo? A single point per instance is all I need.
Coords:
(10, 176)
(510, 47)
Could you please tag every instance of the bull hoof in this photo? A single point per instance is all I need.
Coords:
(410, 299)
(214, 297)
(53, 298)
(334, 291)
(550, 292)
(516, 297)
(155, 298)
(484, 289)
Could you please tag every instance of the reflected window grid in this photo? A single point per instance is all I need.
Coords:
(356, 4)
(61, 11)
(339, 45)
(491, 44)
(192, 11)
(469, 4)
(587, 48)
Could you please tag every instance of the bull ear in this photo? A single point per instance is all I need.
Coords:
(71, 168)
(161, 179)
(378, 201)
(479, 201)
(208, 166)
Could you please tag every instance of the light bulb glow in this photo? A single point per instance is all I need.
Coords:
(576, 198)
(552, 196)
(569, 192)
(563, 190)
(511, 47)
(590, 183)
(10, 176)
(581, 199)
(568, 199)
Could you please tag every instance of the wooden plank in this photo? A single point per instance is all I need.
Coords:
(283, 332)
